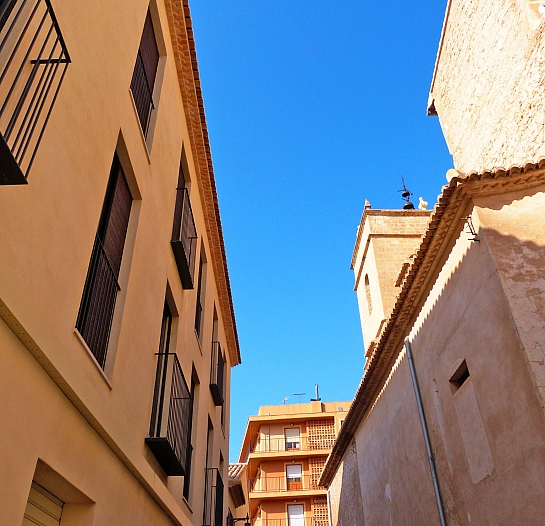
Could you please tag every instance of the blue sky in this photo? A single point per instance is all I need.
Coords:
(312, 107)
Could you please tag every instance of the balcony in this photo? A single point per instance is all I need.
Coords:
(217, 375)
(307, 521)
(213, 498)
(169, 437)
(33, 62)
(283, 444)
(284, 484)
(184, 238)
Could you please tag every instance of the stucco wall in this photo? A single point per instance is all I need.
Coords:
(488, 436)
(489, 88)
(344, 493)
(516, 239)
(394, 476)
(47, 235)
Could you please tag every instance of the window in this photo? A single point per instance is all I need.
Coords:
(101, 286)
(144, 74)
(296, 515)
(293, 438)
(294, 477)
(170, 428)
(32, 67)
(217, 367)
(368, 293)
(459, 377)
(43, 508)
(187, 478)
(200, 295)
(184, 233)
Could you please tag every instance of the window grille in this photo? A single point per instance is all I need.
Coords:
(101, 285)
(145, 70)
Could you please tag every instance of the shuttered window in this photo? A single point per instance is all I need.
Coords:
(6, 7)
(145, 71)
(101, 286)
(42, 509)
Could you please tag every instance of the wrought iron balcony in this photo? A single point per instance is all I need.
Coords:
(213, 498)
(33, 62)
(306, 521)
(169, 437)
(267, 484)
(184, 238)
(280, 444)
(217, 375)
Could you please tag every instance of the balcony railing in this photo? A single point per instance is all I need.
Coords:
(33, 62)
(217, 373)
(98, 303)
(283, 484)
(307, 521)
(184, 238)
(213, 498)
(169, 437)
(278, 444)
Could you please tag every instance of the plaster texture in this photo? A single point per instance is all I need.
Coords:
(488, 87)
(60, 407)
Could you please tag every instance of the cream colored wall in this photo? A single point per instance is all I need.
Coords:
(489, 471)
(47, 236)
(516, 239)
(488, 87)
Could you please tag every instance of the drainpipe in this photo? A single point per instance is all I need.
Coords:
(422, 416)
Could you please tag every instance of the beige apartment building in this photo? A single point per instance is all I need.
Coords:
(285, 448)
(117, 330)
(448, 423)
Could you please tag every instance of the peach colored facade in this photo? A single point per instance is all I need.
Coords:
(285, 447)
(124, 420)
(467, 319)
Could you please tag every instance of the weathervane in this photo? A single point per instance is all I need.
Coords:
(406, 196)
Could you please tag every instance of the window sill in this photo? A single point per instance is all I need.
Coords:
(93, 359)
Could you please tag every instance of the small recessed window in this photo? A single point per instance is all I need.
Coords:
(459, 377)
(368, 293)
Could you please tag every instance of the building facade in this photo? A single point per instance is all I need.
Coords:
(285, 447)
(117, 325)
(448, 423)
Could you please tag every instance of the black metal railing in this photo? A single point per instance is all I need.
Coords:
(169, 436)
(198, 316)
(266, 484)
(269, 444)
(184, 238)
(142, 93)
(217, 375)
(293, 521)
(213, 498)
(33, 63)
(98, 303)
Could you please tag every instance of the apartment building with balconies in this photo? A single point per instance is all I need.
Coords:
(285, 447)
(117, 328)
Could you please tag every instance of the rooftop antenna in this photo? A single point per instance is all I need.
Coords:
(285, 399)
(406, 196)
(299, 395)
(317, 399)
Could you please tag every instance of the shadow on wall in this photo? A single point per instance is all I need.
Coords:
(350, 512)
